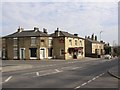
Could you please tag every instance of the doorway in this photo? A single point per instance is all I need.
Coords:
(22, 53)
(42, 53)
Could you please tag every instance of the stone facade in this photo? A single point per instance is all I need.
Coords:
(93, 48)
(67, 46)
(36, 45)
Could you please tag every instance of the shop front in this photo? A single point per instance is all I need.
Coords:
(75, 52)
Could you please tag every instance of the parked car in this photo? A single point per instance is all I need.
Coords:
(107, 56)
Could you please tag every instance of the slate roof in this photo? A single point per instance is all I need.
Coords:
(65, 34)
(27, 33)
(93, 41)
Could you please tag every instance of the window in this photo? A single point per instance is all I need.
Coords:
(75, 42)
(70, 51)
(3, 41)
(15, 41)
(33, 41)
(15, 52)
(80, 43)
(33, 52)
(3, 53)
(42, 40)
(50, 42)
(61, 52)
(70, 42)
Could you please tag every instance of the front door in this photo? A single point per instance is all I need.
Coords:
(42, 53)
(22, 53)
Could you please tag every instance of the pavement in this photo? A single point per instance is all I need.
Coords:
(114, 72)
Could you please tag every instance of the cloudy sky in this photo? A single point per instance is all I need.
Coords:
(84, 18)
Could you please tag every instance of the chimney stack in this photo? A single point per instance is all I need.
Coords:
(95, 38)
(88, 37)
(92, 37)
(20, 29)
(44, 30)
(57, 32)
(75, 34)
(36, 29)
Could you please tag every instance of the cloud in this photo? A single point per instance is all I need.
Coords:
(83, 18)
(60, 0)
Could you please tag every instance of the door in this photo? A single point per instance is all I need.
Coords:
(22, 53)
(50, 50)
(42, 53)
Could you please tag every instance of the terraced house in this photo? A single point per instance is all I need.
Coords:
(35, 44)
(93, 47)
(26, 44)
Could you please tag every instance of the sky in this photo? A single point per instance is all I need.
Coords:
(81, 17)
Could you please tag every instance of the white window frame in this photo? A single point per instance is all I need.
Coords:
(50, 42)
(70, 43)
(15, 49)
(81, 43)
(30, 55)
(76, 43)
(33, 44)
(15, 43)
(3, 53)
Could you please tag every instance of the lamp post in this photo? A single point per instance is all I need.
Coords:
(100, 44)
(100, 35)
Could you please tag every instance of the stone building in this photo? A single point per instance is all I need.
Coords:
(67, 46)
(93, 48)
(35, 44)
(25, 44)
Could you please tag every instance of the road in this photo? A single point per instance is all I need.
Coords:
(73, 74)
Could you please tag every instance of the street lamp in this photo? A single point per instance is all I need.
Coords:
(100, 35)
(113, 43)
(100, 44)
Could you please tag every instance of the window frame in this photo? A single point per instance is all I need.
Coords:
(70, 42)
(61, 54)
(33, 41)
(15, 53)
(15, 41)
(76, 42)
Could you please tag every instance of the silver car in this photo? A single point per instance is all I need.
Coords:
(107, 56)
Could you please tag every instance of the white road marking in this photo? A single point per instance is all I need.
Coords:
(76, 67)
(46, 74)
(57, 70)
(7, 79)
(89, 81)
(77, 87)
(97, 76)
(83, 84)
(37, 73)
(94, 78)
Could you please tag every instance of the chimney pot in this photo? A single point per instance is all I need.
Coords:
(45, 30)
(95, 38)
(36, 29)
(20, 29)
(75, 34)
